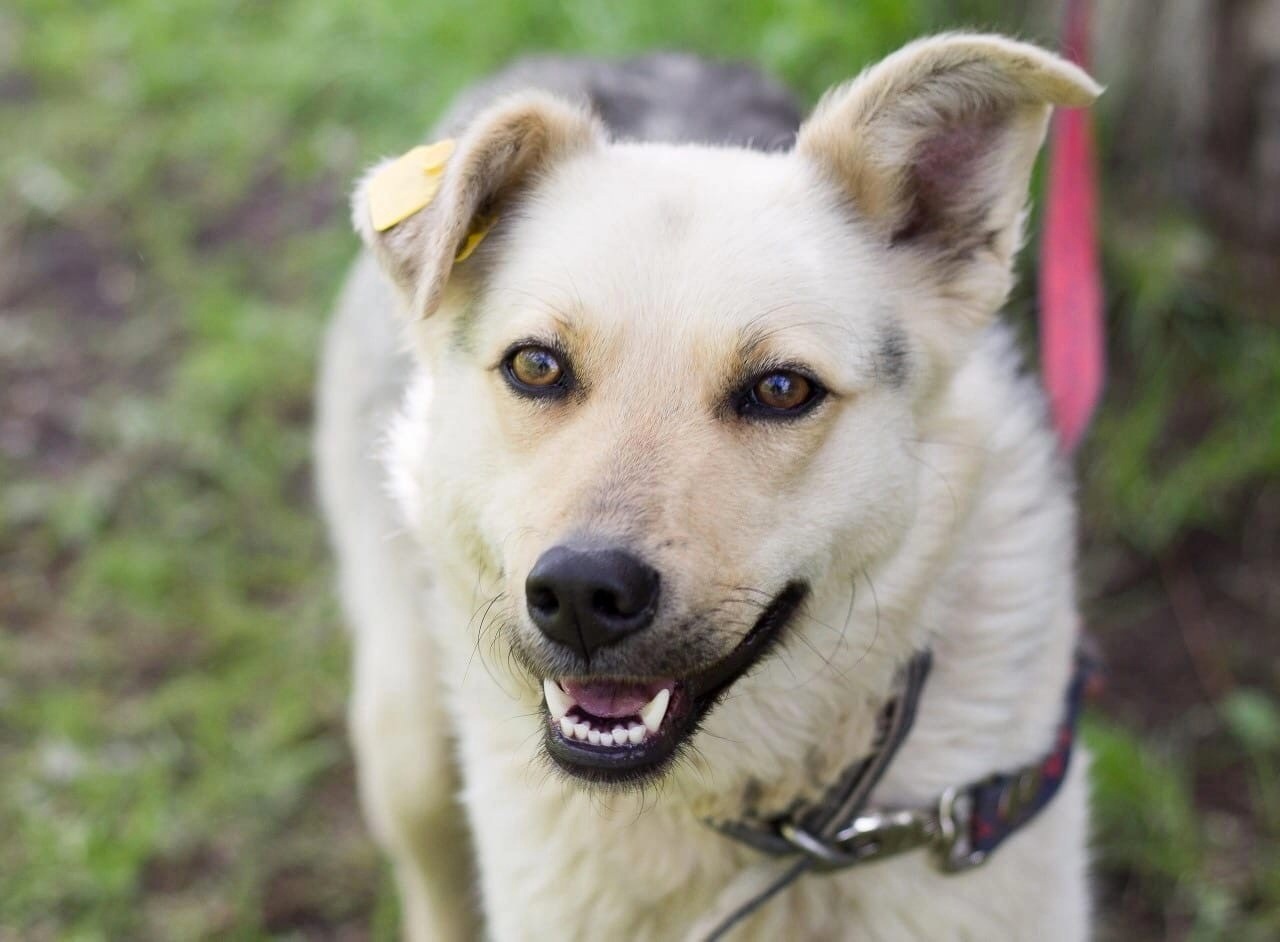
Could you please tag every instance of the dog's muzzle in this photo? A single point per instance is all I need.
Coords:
(614, 730)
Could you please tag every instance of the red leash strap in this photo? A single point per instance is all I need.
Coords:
(1071, 343)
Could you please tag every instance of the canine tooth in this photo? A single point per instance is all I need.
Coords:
(655, 710)
(581, 730)
(593, 737)
(606, 739)
(558, 702)
(566, 727)
(636, 735)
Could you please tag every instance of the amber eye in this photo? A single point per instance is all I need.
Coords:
(783, 391)
(535, 369)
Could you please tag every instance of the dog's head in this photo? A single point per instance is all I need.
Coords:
(672, 394)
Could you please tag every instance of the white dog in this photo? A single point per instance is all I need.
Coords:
(654, 461)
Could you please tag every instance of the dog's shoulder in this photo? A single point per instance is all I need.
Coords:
(364, 368)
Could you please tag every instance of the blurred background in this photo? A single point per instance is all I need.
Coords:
(173, 228)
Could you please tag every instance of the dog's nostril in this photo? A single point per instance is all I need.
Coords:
(606, 603)
(544, 600)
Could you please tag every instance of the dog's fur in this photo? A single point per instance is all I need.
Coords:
(924, 502)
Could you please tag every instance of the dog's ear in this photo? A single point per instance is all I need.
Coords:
(419, 227)
(934, 145)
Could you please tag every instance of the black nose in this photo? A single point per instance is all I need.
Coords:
(590, 598)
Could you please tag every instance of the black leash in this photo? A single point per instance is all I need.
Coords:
(789, 876)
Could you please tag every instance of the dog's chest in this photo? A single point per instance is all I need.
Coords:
(552, 856)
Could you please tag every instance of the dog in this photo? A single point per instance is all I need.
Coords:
(659, 434)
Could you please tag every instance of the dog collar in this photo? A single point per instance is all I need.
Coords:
(962, 829)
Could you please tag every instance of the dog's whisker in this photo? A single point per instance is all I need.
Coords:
(480, 633)
(730, 740)
(493, 630)
(942, 478)
(875, 633)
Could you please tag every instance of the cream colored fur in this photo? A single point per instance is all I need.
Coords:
(926, 509)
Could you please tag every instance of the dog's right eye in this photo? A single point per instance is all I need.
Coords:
(535, 370)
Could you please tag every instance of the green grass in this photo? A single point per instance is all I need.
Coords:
(1183, 860)
(172, 671)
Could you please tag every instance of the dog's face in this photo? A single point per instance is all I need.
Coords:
(686, 406)
(673, 394)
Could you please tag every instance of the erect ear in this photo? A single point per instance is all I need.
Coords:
(502, 151)
(934, 146)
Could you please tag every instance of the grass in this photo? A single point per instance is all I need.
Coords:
(172, 672)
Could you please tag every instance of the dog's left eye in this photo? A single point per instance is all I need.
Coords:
(781, 394)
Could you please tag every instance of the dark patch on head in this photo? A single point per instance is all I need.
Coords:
(679, 97)
(893, 357)
(778, 142)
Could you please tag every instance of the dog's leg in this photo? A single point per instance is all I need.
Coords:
(408, 779)
(407, 772)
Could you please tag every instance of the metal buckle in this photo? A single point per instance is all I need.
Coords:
(887, 833)
(882, 834)
(873, 836)
(953, 849)
(825, 856)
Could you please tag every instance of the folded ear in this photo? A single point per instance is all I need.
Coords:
(454, 191)
(934, 145)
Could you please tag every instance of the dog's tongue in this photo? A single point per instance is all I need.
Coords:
(609, 699)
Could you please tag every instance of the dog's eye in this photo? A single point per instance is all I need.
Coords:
(782, 393)
(534, 369)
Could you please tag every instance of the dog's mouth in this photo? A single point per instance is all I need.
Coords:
(616, 730)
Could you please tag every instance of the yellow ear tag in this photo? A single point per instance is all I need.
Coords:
(407, 184)
(480, 227)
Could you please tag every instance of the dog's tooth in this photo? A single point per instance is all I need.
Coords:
(606, 739)
(558, 702)
(566, 727)
(636, 734)
(593, 737)
(619, 735)
(580, 731)
(655, 710)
